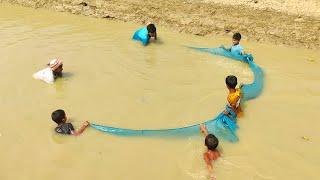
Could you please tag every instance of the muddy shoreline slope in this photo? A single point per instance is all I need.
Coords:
(199, 18)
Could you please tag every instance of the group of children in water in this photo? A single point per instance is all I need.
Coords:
(55, 67)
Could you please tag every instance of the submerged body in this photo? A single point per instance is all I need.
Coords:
(50, 73)
(64, 127)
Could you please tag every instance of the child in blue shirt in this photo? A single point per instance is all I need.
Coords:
(236, 48)
(144, 34)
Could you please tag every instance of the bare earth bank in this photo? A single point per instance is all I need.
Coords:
(264, 24)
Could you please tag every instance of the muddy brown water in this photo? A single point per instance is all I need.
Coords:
(112, 80)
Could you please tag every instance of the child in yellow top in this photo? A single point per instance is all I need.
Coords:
(234, 96)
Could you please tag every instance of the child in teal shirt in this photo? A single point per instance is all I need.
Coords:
(144, 34)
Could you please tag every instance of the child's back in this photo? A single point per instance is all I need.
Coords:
(211, 155)
(64, 128)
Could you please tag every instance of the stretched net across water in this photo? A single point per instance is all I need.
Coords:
(223, 126)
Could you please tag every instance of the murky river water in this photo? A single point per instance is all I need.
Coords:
(112, 80)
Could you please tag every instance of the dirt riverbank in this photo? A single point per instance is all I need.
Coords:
(278, 26)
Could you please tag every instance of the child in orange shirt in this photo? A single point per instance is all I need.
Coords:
(234, 96)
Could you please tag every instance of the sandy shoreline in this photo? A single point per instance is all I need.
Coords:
(292, 7)
(263, 24)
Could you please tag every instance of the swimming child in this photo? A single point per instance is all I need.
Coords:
(234, 96)
(144, 34)
(59, 116)
(51, 72)
(212, 154)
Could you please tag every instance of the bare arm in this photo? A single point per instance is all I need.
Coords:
(81, 129)
(204, 130)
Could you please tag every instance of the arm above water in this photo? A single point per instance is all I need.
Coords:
(81, 129)
(204, 130)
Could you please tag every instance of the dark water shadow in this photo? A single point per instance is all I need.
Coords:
(67, 75)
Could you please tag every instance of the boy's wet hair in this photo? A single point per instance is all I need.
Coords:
(151, 28)
(58, 116)
(211, 142)
(237, 36)
(231, 81)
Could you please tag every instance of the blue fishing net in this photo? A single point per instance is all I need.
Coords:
(249, 91)
(223, 126)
